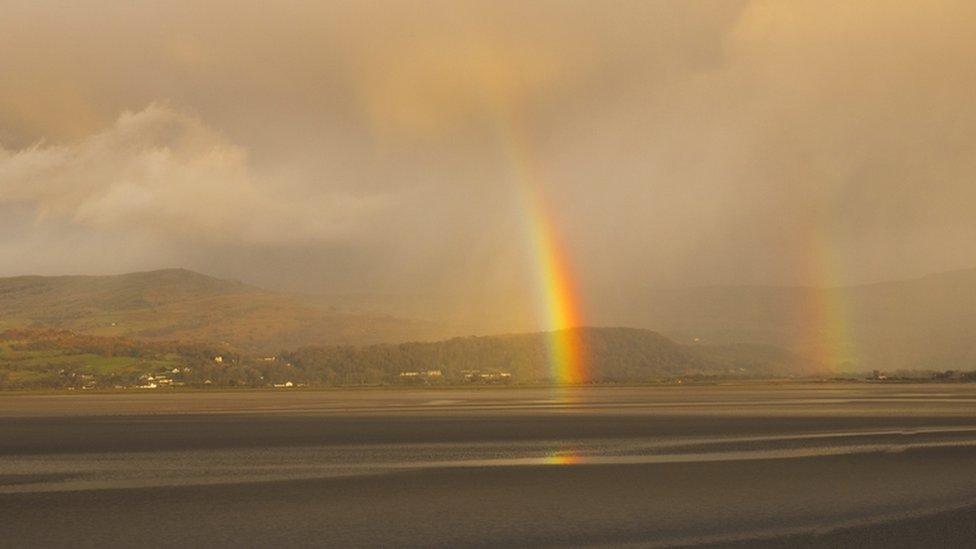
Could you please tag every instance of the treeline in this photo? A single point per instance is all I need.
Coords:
(608, 355)
(61, 359)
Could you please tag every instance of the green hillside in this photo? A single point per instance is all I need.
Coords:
(35, 359)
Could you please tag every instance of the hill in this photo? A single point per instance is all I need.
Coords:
(177, 304)
(610, 355)
(926, 323)
(32, 359)
(923, 324)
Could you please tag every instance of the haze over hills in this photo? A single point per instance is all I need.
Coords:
(176, 304)
(925, 323)
(115, 330)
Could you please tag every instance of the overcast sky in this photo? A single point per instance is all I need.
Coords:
(347, 147)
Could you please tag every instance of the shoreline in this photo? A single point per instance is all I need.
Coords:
(731, 382)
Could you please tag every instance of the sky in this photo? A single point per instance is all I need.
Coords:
(353, 147)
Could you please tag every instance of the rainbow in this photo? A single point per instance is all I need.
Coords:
(827, 338)
(558, 296)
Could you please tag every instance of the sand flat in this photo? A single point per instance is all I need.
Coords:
(749, 464)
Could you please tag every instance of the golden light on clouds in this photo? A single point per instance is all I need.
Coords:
(429, 87)
(681, 142)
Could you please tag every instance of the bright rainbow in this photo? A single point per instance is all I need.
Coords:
(559, 301)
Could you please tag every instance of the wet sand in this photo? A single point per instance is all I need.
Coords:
(749, 465)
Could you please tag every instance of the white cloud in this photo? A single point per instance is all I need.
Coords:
(165, 172)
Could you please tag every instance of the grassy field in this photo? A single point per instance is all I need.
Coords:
(24, 364)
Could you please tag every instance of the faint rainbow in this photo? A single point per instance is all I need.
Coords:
(827, 338)
(558, 295)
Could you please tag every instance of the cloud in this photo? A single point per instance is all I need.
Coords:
(354, 146)
(163, 172)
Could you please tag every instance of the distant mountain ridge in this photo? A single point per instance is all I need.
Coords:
(180, 304)
(924, 323)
